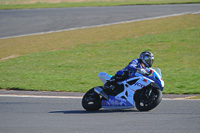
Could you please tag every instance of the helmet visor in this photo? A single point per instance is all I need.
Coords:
(149, 60)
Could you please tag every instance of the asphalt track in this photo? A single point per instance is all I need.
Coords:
(34, 21)
(59, 115)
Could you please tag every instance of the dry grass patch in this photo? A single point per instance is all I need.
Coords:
(30, 4)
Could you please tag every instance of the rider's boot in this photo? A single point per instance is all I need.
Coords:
(110, 85)
(107, 88)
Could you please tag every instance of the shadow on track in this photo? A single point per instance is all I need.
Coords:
(89, 112)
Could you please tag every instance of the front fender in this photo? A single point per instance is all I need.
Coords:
(154, 85)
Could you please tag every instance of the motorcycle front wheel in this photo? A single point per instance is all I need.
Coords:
(144, 102)
(91, 101)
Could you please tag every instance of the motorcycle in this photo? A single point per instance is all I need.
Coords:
(142, 92)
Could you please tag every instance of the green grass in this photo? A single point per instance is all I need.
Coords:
(175, 46)
(20, 4)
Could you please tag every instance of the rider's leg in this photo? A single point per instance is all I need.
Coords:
(119, 76)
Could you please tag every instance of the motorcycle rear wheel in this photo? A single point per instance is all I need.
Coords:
(146, 103)
(91, 101)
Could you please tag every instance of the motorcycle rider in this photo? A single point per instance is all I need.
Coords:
(133, 69)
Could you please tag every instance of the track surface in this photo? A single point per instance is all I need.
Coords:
(59, 115)
(29, 21)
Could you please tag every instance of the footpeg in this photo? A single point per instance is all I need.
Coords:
(99, 91)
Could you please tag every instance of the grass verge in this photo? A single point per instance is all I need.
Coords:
(71, 60)
(29, 4)
(196, 97)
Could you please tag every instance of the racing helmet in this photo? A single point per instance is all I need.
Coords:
(147, 58)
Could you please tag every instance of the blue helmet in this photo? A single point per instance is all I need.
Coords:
(147, 58)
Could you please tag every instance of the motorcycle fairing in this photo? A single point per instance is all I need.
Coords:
(125, 98)
(115, 102)
(157, 79)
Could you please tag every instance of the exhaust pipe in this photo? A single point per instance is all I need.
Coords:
(99, 91)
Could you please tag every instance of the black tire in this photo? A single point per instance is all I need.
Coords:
(144, 103)
(91, 101)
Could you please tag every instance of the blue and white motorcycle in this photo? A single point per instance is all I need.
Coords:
(142, 92)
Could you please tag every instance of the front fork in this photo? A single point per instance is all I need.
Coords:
(148, 92)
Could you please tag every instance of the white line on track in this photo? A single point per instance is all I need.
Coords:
(74, 97)
(180, 99)
(39, 96)
(84, 27)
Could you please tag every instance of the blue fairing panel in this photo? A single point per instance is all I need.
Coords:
(115, 102)
(159, 86)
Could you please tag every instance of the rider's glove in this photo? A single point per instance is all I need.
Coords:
(143, 71)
